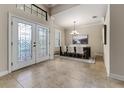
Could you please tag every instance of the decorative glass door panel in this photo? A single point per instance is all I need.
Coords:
(23, 36)
(24, 42)
(42, 38)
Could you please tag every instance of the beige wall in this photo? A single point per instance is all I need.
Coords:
(4, 9)
(117, 40)
(107, 46)
(94, 33)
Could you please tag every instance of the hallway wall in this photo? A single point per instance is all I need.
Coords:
(116, 41)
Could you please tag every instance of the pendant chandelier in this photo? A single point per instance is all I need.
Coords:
(74, 32)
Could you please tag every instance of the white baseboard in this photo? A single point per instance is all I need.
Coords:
(115, 76)
(92, 61)
(3, 73)
(98, 54)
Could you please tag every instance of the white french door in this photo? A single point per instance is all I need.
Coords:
(30, 43)
(42, 41)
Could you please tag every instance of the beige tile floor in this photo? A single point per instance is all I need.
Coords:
(61, 73)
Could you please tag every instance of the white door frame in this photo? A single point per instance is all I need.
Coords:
(9, 35)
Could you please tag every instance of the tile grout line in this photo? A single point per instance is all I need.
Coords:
(18, 82)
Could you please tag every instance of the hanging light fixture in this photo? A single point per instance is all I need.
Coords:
(74, 32)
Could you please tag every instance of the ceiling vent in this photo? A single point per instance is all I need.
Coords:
(94, 17)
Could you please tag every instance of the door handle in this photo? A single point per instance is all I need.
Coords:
(34, 45)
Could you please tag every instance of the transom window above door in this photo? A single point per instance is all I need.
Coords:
(34, 10)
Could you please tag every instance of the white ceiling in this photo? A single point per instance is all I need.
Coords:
(82, 14)
(50, 5)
